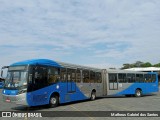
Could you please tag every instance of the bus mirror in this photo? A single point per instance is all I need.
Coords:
(4, 67)
(1, 73)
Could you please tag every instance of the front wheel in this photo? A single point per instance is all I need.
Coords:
(93, 95)
(138, 93)
(54, 101)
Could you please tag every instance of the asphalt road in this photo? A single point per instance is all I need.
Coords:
(146, 103)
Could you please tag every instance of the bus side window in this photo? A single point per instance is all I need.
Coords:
(122, 77)
(139, 78)
(153, 78)
(150, 78)
(131, 78)
(63, 74)
(112, 78)
(78, 76)
(71, 75)
(92, 77)
(53, 75)
(85, 74)
(147, 78)
(98, 77)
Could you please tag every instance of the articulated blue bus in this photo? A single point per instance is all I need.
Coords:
(42, 81)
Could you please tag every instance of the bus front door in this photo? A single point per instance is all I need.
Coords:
(38, 81)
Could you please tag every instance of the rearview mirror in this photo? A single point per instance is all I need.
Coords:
(4, 67)
(1, 73)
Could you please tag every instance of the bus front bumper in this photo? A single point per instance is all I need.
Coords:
(18, 99)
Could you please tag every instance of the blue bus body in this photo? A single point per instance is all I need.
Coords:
(73, 82)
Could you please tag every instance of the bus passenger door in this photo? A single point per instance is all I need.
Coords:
(113, 81)
(71, 80)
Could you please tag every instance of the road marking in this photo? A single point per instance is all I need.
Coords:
(119, 107)
(82, 112)
(110, 104)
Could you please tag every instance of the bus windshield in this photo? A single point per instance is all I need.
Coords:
(16, 79)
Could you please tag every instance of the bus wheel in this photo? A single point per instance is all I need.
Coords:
(54, 101)
(138, 93)
(93, 95)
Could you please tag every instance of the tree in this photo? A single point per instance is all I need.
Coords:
(147, 64)
(126, 66)
(138, 64)
(157, 65)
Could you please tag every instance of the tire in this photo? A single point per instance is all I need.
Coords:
(93, 95)
(138, 93)
(54, 101)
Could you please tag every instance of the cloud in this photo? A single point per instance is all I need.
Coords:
(81, 32)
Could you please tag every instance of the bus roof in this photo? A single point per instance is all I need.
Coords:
(126, 71)
(37, 62)
(53, 63)
(48, 62)
(69, 65)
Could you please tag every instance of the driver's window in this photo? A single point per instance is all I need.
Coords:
(16, 78)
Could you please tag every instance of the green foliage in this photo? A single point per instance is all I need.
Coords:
(139, 64)
(147, 64)
(157, 65)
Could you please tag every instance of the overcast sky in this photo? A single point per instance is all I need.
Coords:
(99, 33)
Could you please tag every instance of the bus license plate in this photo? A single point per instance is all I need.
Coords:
(8, 100)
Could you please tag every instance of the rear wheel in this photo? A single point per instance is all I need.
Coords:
(93, 95)
(54, 101)
(138, 93)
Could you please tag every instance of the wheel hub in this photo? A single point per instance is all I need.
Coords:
(53, 100)
(138, 93)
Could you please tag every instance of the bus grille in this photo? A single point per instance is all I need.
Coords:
(11, 98)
